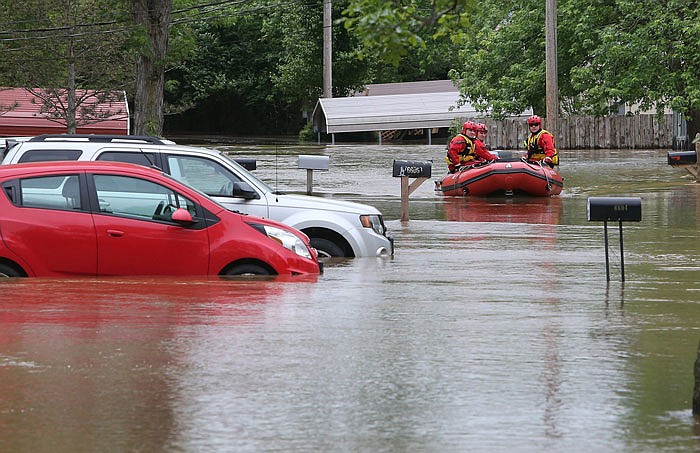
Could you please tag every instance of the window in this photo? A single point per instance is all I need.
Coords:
(52, 192)
(43, 155)
(140, 158)
(208, 176)
(123, 195)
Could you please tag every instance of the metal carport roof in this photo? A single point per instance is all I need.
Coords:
(389, 112)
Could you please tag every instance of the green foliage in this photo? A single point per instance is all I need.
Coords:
(270, 62)
(609, 54)
(295, 35)
(393, 29)
(47, 41)
(265, 61)
(641, 53)
(306, 134)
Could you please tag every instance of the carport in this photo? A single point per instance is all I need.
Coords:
(416, 110)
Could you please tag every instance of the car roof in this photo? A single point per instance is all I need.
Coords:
(38, 167)
(90, 138)
(91, 144)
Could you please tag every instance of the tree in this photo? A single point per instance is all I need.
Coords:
(68, 53)
(392, 29)
(641, 53)
(261, 67)
(502, 66)
(629, 52)
(225, 83)
(624, 52)
(153, 18)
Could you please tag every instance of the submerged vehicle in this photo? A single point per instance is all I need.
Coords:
(116, 219)
(336, 228)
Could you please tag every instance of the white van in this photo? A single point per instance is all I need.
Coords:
(335, 228)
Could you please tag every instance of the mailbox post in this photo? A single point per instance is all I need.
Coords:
(406, 169)
(311, 163)
(622, 209)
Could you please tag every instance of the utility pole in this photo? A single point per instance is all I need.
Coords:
(551, 80)
(327, 50)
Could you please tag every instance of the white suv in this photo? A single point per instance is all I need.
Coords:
(335, 228)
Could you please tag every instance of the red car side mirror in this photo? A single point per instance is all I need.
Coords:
(182, 216)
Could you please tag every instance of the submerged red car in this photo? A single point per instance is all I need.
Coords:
(116, 219)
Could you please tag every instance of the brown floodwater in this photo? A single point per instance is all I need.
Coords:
(493, 328)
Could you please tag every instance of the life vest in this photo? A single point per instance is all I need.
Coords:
(535, 151)
(467, 154)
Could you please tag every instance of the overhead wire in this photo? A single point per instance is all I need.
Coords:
(204, 12)
(204, 15)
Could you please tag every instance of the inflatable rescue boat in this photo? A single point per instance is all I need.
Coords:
(509, 175)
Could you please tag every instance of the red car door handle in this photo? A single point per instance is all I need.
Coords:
(115, 233)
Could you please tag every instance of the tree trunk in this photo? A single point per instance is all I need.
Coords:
(71, 113)
(154, 16)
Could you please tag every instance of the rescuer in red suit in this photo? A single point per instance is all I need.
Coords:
(540, 143)
(481, 131)
(465, 149)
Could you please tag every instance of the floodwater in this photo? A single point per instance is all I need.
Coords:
(493, 328)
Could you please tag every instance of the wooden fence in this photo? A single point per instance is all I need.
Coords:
(587, 132)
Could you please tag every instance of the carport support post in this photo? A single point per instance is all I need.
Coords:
(430, 136)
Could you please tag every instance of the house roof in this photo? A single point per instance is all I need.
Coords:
(418, 105)
(20, 115)
(427, 86)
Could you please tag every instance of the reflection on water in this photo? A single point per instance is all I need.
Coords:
(542, 210)
(492, 329)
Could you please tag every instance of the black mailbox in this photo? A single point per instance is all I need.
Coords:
(412, 169)
(249, 163)
(682, 158)
(627, 209)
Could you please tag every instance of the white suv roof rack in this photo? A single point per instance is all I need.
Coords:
(101, 138)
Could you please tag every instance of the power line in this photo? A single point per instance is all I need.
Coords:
(218, 6)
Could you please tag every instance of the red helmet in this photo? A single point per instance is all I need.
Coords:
(481, 127)
(534, 119)
(469, 125)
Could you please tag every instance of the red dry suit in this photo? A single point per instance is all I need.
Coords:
(463, 150)
(540, 145)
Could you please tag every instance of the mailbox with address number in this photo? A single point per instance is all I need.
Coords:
(406, 169)
(412, 169)
(624, 209)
